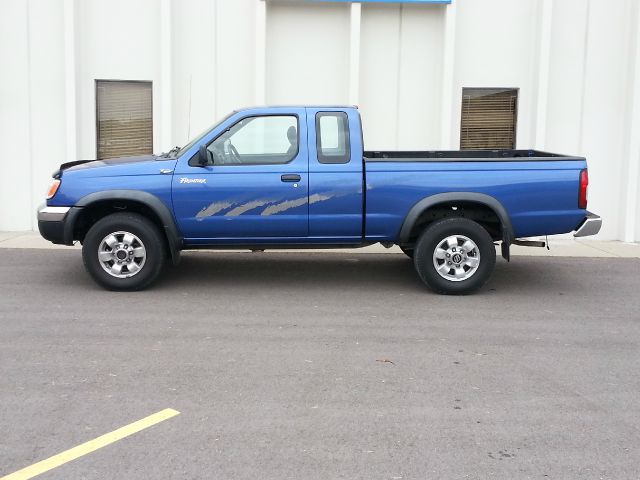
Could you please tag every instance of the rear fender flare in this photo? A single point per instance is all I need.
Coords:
(487, 200)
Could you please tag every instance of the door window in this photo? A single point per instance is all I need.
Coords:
(265, 140)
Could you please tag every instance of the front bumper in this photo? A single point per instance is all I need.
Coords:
(55, 225)
(589, 226)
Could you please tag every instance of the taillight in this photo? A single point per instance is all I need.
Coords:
(584, 185)
(53, 188)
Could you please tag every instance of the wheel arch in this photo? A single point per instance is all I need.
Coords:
(94, 206)
(422, 208)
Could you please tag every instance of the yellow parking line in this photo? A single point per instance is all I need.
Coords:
(91, 445)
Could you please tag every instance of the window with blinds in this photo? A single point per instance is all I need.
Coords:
(124, 120)
(488, 118)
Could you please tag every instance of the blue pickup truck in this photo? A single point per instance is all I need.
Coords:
(299, 177)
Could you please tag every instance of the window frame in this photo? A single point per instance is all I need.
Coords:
(329, 159)
(96, 81)
(193, 161)
(515, 115)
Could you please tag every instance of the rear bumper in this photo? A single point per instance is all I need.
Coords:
(54, 224)
(589, 226)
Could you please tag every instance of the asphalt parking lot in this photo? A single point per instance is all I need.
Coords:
(322, 366)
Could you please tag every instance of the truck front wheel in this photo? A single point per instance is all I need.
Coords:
(454, 256)
(123, 251)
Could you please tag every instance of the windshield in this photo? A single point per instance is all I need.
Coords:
(198, 138)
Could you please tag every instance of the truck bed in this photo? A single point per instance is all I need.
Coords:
(464, 156)
(538, 189)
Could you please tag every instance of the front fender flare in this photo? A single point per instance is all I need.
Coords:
(169, 226)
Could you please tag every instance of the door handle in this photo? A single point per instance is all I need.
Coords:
(290, 178)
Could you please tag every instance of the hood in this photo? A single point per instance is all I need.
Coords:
(138, 165)
(81, 164)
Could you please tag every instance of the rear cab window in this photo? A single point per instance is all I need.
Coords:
(332, 137)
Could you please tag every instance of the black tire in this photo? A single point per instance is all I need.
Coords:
(434, 236)
(407, 251)
(148, 235)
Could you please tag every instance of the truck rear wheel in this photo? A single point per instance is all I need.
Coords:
(454, 256)
(123, 251)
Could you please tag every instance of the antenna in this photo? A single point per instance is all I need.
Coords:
(189, 115)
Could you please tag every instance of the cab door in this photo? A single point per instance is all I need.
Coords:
(254, 187)
(336, 176)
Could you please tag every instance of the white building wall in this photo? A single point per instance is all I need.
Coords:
(631, 195)
(605, 101)
(576, 64)
(194, 69)
(566, 76)
(307, 53)
(47, 100)
(213, 62)
(496, 46)
(379, 65)
(15, 120)
(236, 52)
(115, 40)
(420, 77)
(32, 106)
(635, 212)
(400, 80)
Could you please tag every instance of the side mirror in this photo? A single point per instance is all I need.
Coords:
(203, 156)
